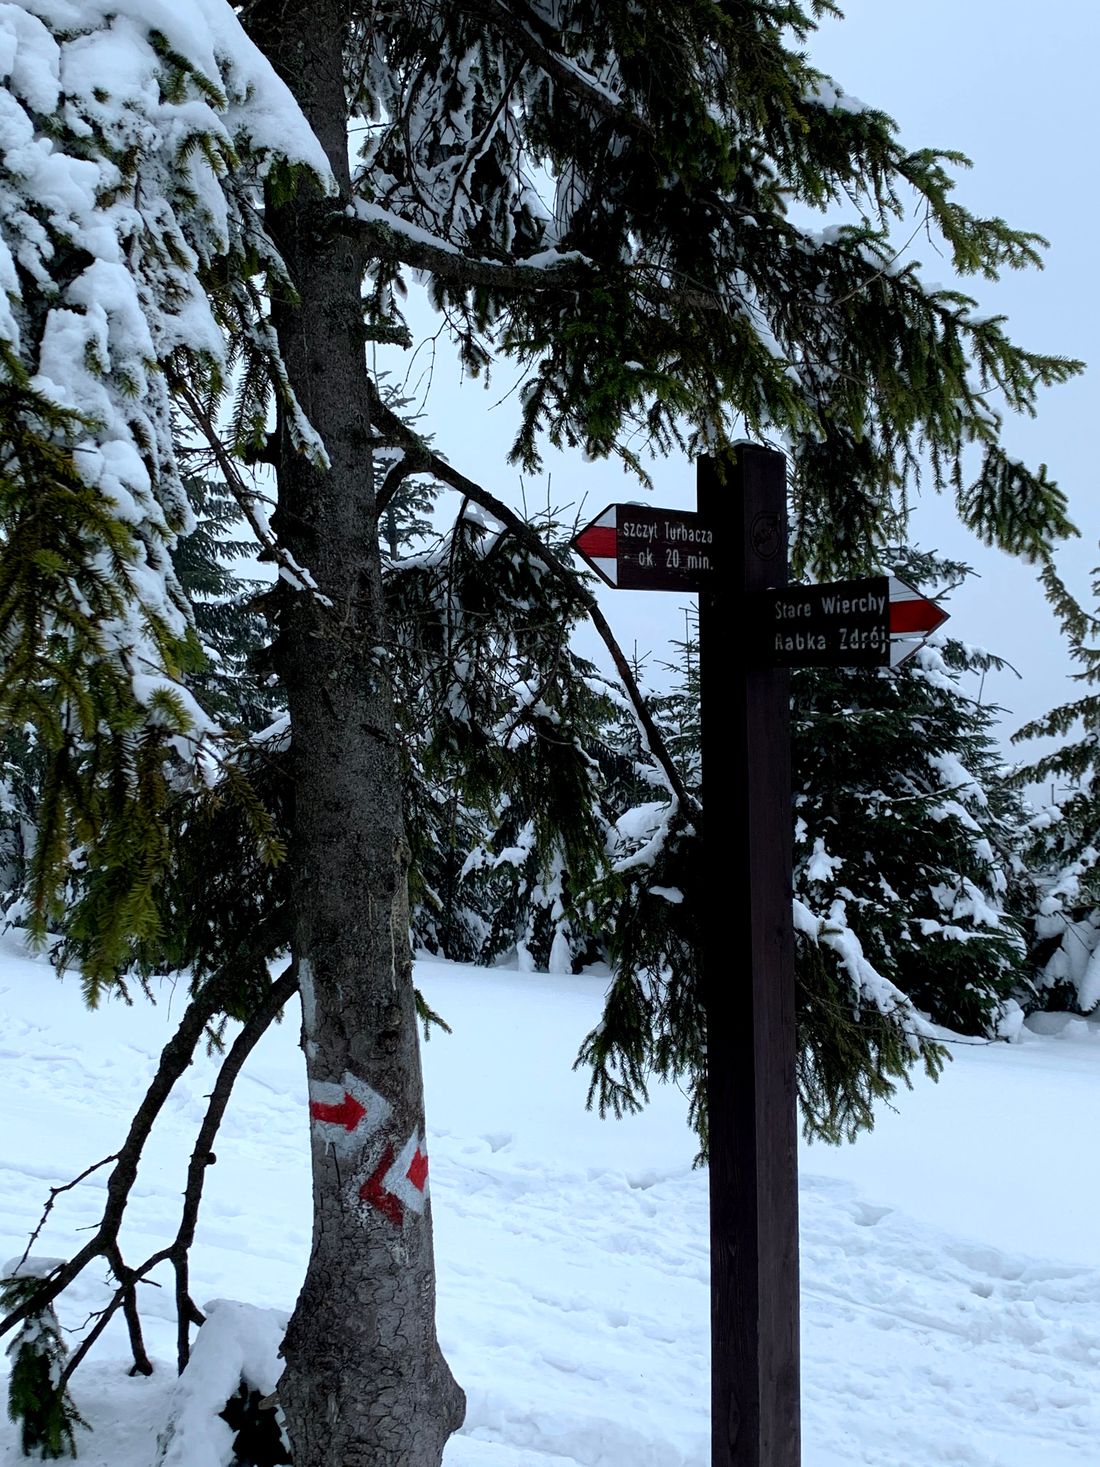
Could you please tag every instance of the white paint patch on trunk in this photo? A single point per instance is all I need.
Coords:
(309, 997)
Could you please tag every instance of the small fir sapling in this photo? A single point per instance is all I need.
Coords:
(38, 1399)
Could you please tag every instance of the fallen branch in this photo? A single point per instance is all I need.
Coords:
(276, 998)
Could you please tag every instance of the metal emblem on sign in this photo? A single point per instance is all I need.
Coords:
(766, 535)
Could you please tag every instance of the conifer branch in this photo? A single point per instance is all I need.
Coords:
(540, 43)
(242, 494)
(389, 237)
(421, 459)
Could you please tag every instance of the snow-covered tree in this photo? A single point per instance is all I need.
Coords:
(131, 257)
(599, 191)
(502, 725)
(909, 894)
(230, 683)
(1064, 848)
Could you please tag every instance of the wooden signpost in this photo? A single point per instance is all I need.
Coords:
(752, 628)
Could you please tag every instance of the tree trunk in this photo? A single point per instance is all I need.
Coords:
(365, 1383)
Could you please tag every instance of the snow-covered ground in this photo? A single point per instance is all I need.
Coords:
(951, 1260)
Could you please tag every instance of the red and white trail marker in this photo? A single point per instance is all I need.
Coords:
(913, 618)
(347, 1114)
(598, 544)
(399, 1181)
(636, 547)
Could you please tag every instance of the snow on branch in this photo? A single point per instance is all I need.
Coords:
(396, 238)
(118, 218)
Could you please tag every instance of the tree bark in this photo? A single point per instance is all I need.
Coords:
(365, 1384)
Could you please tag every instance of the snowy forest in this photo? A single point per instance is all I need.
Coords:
(295, 720)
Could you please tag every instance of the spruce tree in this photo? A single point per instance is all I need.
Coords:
(909, 891)
(910, 897)
(38, 1396)
(183, 239)
(1064, 846)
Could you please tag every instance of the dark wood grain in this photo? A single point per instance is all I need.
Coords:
(748, 973)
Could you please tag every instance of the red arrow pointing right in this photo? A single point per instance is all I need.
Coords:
(347, 1113)
(911, 613)
(920, 616)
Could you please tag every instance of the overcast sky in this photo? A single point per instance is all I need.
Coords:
(1013, 87)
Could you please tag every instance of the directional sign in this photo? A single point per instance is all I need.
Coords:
(877, 622)
(635, 547)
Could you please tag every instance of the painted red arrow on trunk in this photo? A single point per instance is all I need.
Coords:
(376, 1194)
(347, 1113)
(418, 1170)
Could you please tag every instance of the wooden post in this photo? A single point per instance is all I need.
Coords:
(748, 976)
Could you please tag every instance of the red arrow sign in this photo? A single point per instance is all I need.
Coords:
(347, 1113)
(911, 613)
(376, 1194)
(913, 618)
(399, 1181)
(638, 547)
(597, 542)
(418, 1170)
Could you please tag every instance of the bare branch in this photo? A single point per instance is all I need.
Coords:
(127, 1297)
(392, 483)
(240, 491)
(277, 996)
(55, 1193)
(174, 1060)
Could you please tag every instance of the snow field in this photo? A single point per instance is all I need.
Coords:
(572, 1253)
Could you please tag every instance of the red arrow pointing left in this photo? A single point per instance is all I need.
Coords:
(347, 1112)
(375, 1192)
(598, 542)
